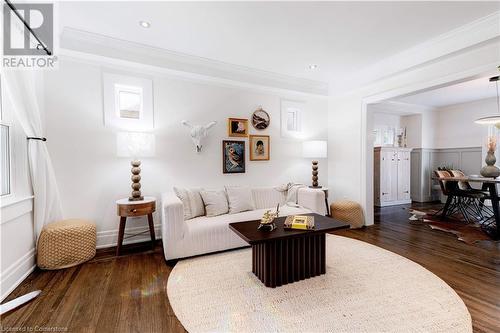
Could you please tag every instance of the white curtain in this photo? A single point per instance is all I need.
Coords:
(21, 88)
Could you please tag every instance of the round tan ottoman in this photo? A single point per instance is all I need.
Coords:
(349, 212)
(66, 243)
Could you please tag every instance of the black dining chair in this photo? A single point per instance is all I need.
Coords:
(461, 197)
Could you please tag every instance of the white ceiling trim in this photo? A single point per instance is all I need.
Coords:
(90, 43)
(481, 31)
(125, 66)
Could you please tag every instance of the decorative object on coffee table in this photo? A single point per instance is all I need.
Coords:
(126, 208)
(233, 156)
(301, 222)
(267, 220)
(260, 119)
(286, 256)
(314, 149)
(135, 145)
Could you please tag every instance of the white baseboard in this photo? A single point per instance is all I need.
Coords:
(16, 273)
(109, 238)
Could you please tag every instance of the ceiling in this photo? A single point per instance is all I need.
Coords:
(454, 94)
(278, 37)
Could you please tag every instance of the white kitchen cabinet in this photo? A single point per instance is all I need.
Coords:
(392, 176)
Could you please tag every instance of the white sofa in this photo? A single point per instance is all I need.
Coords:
(203, 234)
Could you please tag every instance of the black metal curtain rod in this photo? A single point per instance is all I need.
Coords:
(28, 27)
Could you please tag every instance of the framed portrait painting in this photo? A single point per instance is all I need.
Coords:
(233, 156)
(259, 147)
(237, 127)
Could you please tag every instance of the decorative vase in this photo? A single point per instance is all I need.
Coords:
(490, 170)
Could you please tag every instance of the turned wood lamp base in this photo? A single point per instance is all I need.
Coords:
(136, 181)
(315, 175)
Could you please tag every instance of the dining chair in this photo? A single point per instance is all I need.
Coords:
(476, 196)
(461, 197)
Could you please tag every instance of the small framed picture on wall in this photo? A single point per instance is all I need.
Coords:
(237, 127)
(259, 146)
(233, 156)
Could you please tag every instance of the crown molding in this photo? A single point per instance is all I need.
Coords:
(477, 33)
(80, 43)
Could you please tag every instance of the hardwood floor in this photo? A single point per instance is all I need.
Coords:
(128, 293)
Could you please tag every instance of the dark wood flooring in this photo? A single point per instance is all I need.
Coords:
(128, 293)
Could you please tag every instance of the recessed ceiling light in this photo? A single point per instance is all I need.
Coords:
(144, 24)
(313, 66)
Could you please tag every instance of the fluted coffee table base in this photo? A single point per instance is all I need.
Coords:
(282, 261)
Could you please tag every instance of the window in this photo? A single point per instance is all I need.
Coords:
(291, 118)
(5, 159)
(4, 152)
(128, 102)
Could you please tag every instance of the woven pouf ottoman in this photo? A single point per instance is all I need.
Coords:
(66, 243)
(349, 212)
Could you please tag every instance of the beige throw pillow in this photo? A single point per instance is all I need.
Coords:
(215, 202)
(240, 199)
(191, 202)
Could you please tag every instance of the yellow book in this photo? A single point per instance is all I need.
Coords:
(299, 222)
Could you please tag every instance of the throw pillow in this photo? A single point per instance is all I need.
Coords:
(191, 202)
(215, 202)
(240, 199)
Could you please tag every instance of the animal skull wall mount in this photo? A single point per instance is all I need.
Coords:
(198, 132)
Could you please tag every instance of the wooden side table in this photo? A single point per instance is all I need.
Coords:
(126, 208)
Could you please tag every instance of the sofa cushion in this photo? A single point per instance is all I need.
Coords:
(212, 224)
(215, 202)
(191, 202)
(239, 199)
(268, 197)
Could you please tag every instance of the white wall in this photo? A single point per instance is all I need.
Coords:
(386, 120)
(91, 177)
(455, 127)
(413, 124)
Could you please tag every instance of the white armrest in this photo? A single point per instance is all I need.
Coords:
(172, 217)
(313, 199)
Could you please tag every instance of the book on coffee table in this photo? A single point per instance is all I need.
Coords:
(302, 222)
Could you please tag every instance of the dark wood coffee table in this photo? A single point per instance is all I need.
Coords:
(284, 256)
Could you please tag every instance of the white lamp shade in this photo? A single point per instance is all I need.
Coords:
(314, 149)
(135, 144)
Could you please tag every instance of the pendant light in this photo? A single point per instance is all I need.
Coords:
(493, 119)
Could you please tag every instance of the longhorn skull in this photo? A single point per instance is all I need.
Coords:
(198, 132)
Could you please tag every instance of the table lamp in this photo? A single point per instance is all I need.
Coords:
(135, 145)
(314, 149)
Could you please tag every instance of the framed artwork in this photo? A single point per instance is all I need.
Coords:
(237, 127)
(259, 147)
(260, 119)
(291, 118)
(233, 156)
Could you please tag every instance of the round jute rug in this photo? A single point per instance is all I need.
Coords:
(365, 289)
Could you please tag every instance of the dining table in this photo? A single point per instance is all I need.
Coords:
(487, 184)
